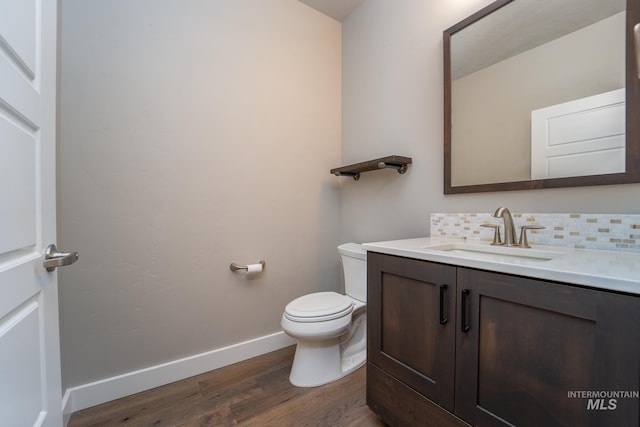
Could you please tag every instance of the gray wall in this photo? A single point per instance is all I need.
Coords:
(194, 133)
(392, 104)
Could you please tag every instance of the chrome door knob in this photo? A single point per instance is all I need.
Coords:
(54, 259)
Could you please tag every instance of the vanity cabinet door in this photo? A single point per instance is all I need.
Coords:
(411, 314)
(524, 345)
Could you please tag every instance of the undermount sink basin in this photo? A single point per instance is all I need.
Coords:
(489, 252)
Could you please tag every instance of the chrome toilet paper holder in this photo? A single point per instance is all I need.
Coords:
(235, 267)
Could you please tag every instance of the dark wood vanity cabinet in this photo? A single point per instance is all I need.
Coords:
(456, 346)
(411, 337)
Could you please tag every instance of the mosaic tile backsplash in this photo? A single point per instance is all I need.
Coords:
(609, 232)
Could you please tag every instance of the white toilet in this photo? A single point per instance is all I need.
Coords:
(331, 328)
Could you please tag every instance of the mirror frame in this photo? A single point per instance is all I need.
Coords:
(632, 168)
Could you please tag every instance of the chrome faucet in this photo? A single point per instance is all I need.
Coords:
(509, 228)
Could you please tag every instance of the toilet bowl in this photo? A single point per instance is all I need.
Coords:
(330, 328)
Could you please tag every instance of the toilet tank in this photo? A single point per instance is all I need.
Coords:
(354, 267)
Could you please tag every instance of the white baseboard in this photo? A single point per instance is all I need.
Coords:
(95, 393)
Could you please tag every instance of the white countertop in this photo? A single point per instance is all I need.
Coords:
(610, 270)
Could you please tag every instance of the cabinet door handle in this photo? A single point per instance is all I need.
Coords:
(443, 319)
(465, 307)
(636, 37)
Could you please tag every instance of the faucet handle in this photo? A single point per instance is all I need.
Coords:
(497, 239)
(523, 242)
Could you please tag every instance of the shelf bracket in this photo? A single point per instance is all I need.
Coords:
(355, 175)
(400, 168)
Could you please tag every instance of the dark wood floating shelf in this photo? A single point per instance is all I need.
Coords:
(398, 163)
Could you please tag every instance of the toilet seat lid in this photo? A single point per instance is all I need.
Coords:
(319, 306)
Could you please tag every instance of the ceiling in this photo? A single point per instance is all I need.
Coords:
(520, 26)
(336, 9)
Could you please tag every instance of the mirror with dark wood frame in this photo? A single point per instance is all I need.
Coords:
(504, 90)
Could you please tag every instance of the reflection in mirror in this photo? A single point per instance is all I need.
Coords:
(537, 91)
(584, 136)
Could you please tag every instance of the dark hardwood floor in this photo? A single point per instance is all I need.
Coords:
(255, 392)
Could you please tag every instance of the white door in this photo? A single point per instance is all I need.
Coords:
(30, 388)
(581, 137)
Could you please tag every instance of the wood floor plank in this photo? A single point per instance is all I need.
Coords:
(277, 390)
(132, 409)
(255, 392)
(213, 406)
(367, 418)
(336, 404)
(248, 368)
